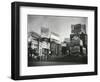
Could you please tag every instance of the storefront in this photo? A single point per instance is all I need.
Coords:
(33, 46)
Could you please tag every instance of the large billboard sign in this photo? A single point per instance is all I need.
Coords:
(45, 32)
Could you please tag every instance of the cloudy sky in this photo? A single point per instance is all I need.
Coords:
(58, 24)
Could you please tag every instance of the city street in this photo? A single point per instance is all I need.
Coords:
(64, 60)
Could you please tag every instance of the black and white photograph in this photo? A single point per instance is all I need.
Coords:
(57, 40)
(53, 40)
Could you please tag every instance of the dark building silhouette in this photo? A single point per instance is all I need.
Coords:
(78, 38)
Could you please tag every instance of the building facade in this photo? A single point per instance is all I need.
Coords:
(33, 46)
(55, 44)
(78, 38)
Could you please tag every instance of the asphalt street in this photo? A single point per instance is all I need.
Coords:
(60, 60)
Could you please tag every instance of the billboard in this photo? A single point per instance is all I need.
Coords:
(45, 32)
(76, 29)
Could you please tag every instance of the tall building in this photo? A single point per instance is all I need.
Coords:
(83, 28)
(45, 42)
(34, 39)
(78, 38)
(33, 45)
(78, 28)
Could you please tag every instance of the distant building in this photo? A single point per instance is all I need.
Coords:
(34, 39)
(55, 37)
(83, 28)
(63, 44)
(78, 28)
(67, 40)
(55, 44)
(78, 38)
(33, 45)
(45, 42)
(67, 43)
